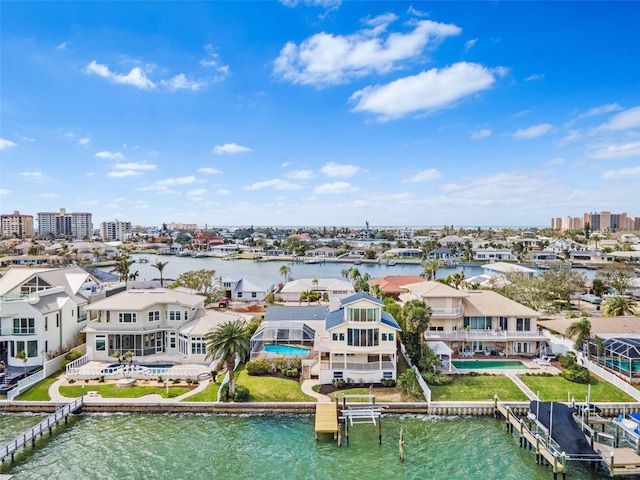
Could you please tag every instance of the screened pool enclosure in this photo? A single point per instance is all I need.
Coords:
(619, 355)
(281, 333)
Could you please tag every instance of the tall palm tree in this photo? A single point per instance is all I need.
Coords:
(285, 272)
(122, 267)
(22, 355)
(345, 272)
(376, 291)
(228, 341)
(160, 266)
(417, 316)
(581, 330)
(618, 306)
(354, 274)
(430, 268)
(315, 283)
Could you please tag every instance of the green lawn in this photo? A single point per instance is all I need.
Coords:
(209, 394)
(482, 387)
(39, 392)
(110, 390)
(271, 389)
(556, 388)
(391, 394)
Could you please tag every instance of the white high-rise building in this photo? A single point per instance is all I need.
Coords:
(76, 225)
(115, 231)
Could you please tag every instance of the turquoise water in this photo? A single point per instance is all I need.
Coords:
(490, 364)
(286, 350)
(190, 446)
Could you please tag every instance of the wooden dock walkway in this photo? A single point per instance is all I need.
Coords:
(22, 440)
(326, 418)
(619, 461)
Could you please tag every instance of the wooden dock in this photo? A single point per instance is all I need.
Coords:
(22, 440)
(619, 461)
(326, 418)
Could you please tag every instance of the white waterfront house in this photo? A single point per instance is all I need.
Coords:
(246, 288)
(155, 324)
(337, 289)
(41, 312)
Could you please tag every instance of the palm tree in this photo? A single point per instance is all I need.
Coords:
(581, 330)
(618, 306)
(285, 272)
(430, 268)
(345, 272)
(22, 355)
(134, 275)
(228, 341)
(417, 316)
(376, 291)
(354, 274)
(315, 283)
(122, 267)
(160, 266)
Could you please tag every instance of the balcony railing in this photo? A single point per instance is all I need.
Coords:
(31, 297)
(447, 312)
(484, 335)
(357, 367)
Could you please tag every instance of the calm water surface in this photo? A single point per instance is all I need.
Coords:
(189, 446)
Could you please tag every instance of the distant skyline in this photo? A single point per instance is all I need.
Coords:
(320, 112)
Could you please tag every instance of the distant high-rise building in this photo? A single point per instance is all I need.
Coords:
(16, 224)
(115, 231)
(76, 225)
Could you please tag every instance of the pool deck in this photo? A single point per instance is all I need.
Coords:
(531, 366)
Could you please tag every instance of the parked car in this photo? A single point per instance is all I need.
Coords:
(223, 303)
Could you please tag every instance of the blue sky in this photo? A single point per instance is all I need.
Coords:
(321, 112)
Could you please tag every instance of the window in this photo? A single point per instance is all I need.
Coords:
(523, 324)
(383, 337)
(101, 343)
(335, 337)
(183, 344)
(57, 320)
(387, 375)
(239, 294)
(175, 315)
(19, 347)
(226, 284)
(23, 326)
(338, 375)
(154, 316)
(46, 324)
(363, 314)
(504, 323)
(186, 315)
(32, 348)
(254, 294)
(390, 337)
(477, 323)
(172, 340)
(198, 346)
(362, 337)
(127, 317)
(341, 337)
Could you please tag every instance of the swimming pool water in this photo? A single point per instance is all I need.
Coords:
(286, 350)
(490, 364)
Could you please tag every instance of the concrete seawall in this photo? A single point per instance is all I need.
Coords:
(436, 408)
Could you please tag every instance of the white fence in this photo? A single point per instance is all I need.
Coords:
(423, 385)
(611, 378)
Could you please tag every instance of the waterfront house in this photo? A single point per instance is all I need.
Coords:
(502, 268)
(477, 320)
(246, 288)
(155, 322)
(41, 312)
(338, 289)
(353, 340)
(493, 254)
(392, 285)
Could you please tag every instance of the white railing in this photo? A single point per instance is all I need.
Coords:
(426, 391)
(77, 363)
(24, 384)
(483, 334)
(20, 297)
(141, 374)
(610, 377)
(442, 312)
(309, 364)
(358, 367)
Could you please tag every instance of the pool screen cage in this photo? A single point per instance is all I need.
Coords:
(619, 355)
(284, 333)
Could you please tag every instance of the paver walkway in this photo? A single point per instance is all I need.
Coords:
(527, 391)
(307, 388)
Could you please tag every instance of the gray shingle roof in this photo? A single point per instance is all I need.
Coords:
(295, 313)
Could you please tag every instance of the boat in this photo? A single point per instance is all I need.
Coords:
(143, 260)
(630, 424)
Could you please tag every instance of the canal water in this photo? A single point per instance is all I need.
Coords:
(198, 446)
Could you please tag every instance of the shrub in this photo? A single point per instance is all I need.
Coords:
(388, 382)
(175, 381)
(338, 382)
(101, 380)
(72, 380)
(437, 378)
(474, 374)
(241, 394)
(214, 375)
(281, 364)
(296, 363)
(567, 361)
(577, 374)
(258, 367)
(291, 372)
(224, 392)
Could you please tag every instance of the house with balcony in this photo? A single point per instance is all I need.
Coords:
(41, 312)
(335, 289)
(244, 287)
(157, 324)
(478, 321)
(352, 340)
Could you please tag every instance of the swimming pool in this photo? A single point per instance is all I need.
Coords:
(151, 368)
(489, 364)
(286, 350)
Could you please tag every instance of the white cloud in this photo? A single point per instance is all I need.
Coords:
(326, 59)
(35, 176)
(622, 173)
(300, 174)
(335, 188)
(479, 134)
(624, 120)
(177, 181)
(48, 195)
(424, 176)
(134, 166)
(276, 183)
(4, 191)
(110, 155)
(25, 139)
(209, 170)
(135, 77)
(430, 90)
(123, 173)
(534, 77)
(617, 151)
(198, 192)
(223, 191)
(330, 4)
(6, 144)
(62, 45)
(333, 169)
(534, 131)
(592, 112)
(469, 44)
(229, 148)
(181, 82)
(556, 161)
(84, 141)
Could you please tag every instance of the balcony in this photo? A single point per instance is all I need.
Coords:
(447, 312)
(485, 335)
(357, 367)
